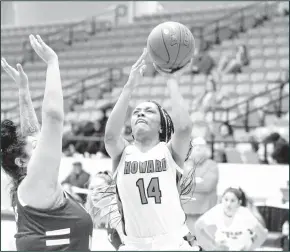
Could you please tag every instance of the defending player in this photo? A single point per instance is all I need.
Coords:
(46, 216)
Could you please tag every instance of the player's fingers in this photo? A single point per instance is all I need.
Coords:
(8, 69)
(20, 69)
(34, 43)
(142, 57)
(40, 41)
(142, 70)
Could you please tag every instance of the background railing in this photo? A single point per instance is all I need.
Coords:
(230, 25)
(249, 109)
(106, 76)
(210, 33)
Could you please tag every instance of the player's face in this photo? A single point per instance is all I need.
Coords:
(230, 203)
(145, 117)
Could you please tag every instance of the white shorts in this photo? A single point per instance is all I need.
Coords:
(172, 241)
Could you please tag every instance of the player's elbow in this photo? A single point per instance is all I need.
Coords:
(184, 126)
(110, 138)
(53, 113)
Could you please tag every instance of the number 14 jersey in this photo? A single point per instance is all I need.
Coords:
(147, 189)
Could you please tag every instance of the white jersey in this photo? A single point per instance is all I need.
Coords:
(239, 233)
(146, 184)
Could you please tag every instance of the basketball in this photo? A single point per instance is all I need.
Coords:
(170, 45)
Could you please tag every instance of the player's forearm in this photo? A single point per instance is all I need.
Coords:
(204, 239)
(53, 97)
(180, 114)
(28, 118)
(117, 117)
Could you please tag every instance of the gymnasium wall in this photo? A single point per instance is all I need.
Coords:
(7, 13)
(42, 12)
(261, 182)
(22, 13)
(174, 6)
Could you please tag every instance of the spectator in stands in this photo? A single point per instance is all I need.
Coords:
(75, 130)
(95, 147)
(202, 63)
(227, 134)
(85, 129)
(209, 99)
(203, 195)
(77, 178)
(234, 64)
(281, 148)
(225, 139)
(254, 144)
(230, 225)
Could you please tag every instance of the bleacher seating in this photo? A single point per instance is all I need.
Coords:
(268, 45)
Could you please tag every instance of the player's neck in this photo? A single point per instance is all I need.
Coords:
(145, 144)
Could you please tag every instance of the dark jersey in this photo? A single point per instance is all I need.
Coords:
(68, 227)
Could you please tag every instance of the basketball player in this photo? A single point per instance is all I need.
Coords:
(230, 225)
(46, 216)
(146, 170)
(102, 205)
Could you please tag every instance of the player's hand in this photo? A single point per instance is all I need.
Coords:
(176, 73)
(138, 69)
(43, 50)
(19, 76)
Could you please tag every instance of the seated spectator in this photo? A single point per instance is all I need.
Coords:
(227, 134)
(254, 144)
(225, 139)
(281, 148)
(94, 147)
(203, 195)
(75, 131)
(202, 62)
(234, 64)
(77, 178)
(209, 99)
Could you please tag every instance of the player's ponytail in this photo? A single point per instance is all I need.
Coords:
(12, 147)
(166, 123)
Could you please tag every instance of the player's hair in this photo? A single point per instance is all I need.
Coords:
(12, 147)
(167, 129)
(102, 191)
(240, 194)
(166, 123)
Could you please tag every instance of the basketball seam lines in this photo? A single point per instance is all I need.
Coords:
(178, 45)
(192, 46)
(156, 53)
(165, 48)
